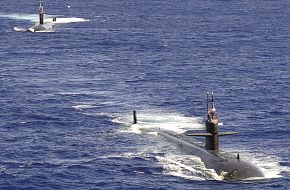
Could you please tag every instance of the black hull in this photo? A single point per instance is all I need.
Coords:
(226, 165)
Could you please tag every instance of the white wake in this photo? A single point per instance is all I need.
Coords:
(152, 119)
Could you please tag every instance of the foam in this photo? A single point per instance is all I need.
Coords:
(83, 106)
(285, 169)
(268, 164)
(92, 104)
(154, 120)
(133, 129)
(19, 29)
(127, 155)
(187, 166)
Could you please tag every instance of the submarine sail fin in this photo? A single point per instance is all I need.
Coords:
(209, 134)
(200, 134)
(226, 133)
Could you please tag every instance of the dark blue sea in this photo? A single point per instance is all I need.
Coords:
(66, 97)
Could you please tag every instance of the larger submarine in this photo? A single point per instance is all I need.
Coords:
(228, 166)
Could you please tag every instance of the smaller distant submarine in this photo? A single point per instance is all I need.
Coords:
(229, 166)
(42, 27)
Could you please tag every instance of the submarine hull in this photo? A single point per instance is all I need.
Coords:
(226, 165)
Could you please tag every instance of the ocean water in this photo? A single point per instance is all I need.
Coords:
(67, 96)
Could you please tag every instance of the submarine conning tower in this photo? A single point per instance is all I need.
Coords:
(41, 12)
(212, 126)
(212, 142)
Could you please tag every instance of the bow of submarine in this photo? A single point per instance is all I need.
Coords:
(226, 165)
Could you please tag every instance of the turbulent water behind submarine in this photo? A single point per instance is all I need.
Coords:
(67, 96)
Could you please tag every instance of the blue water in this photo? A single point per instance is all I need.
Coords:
(67, 97)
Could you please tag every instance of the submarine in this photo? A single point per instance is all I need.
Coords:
(42, 27)
(228, 166)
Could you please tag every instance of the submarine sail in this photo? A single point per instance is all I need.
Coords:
(42, 27)
(41, 12)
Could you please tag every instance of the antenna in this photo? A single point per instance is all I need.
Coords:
(212, 101)
(207, 102)
(41, 12)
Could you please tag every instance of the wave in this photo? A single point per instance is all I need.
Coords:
(15, 16)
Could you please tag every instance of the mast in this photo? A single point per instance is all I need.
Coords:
(41, 12)
(134, 117)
